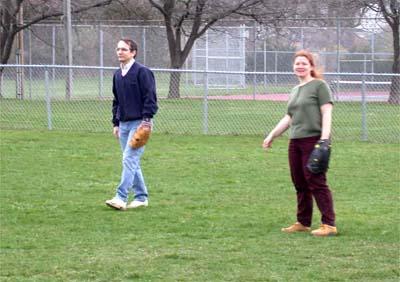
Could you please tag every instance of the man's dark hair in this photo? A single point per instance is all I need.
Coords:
(132, 44)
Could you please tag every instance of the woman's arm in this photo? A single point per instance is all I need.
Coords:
(280, 128)
(326, 112)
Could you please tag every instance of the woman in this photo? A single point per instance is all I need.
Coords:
(309, 116)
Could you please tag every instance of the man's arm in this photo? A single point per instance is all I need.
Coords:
(148, 91)
(115, 105)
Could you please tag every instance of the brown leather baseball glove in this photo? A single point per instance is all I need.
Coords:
(141, 135)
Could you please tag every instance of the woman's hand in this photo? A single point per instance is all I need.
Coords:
(267, 142)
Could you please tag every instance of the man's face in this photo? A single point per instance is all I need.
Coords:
(123, 52)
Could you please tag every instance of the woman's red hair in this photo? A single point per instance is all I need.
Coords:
(316, 72)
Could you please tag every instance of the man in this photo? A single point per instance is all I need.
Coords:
(134, 105)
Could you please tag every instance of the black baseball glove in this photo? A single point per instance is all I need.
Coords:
(318, 161)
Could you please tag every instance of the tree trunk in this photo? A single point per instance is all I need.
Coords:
(177, 60)
(174, 85)
(8, 31)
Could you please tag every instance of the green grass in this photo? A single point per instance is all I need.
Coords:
(181, 116)
(217, 204)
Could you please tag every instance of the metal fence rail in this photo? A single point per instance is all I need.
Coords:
(78, 98)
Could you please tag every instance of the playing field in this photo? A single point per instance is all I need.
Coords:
(217, 204)
(375, 122)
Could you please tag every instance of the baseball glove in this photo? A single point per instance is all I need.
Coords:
(318, 162)
(141, 135)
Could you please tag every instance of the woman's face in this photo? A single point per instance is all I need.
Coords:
(302, 67)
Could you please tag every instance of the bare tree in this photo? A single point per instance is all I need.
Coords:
(38, 10)
(327, 12)
(126, 10)
(192, 18)
(390, 10)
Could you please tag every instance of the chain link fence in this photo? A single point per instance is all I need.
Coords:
(250, 47)
(79, 99)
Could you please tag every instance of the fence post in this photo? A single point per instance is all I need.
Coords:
(48, 99)
(1, 82)
(265, 62)
(364, 127)
(101, 61)
(276, 67)
(205, 104)
(144, 45)
(53, 55)
(30, 61)
(254, 61)
(20, 75)
(338, 69)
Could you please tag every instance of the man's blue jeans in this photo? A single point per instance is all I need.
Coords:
(132, 177)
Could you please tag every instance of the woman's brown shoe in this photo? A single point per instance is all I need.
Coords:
(325, 230)
(297, 227)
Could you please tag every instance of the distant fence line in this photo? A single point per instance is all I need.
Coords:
(78, 98)
(246, 47)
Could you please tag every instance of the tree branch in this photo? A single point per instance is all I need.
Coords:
(59, 13)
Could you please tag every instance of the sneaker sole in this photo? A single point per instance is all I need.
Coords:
(138, 207)
(296, 231)
(116, 207)
(327, 235)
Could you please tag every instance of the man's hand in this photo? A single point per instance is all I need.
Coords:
(141, 135)
(146, 123)
(116, 132)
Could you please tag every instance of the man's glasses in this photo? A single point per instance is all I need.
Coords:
(122, 49)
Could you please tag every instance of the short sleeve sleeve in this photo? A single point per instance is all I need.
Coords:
(324, 94)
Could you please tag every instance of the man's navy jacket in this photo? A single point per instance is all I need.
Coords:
(134, 94)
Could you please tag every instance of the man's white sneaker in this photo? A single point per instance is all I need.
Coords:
(136, 204)
(116, 203)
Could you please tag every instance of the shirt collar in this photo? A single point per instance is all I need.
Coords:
(127, 66)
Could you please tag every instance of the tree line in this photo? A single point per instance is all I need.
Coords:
(192, 18)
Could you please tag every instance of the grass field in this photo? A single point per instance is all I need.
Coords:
(187, 116)
(86, 83)
(217, 204)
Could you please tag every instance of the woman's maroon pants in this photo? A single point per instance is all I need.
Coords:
(309, 185)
